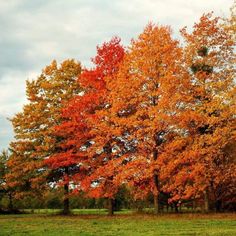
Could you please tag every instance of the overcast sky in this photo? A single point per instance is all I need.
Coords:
(34, 32)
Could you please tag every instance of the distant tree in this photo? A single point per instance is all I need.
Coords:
(5, 190)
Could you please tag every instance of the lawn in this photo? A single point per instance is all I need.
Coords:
(120, 224)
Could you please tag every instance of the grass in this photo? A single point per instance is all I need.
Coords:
(120, 224)
(74, 211)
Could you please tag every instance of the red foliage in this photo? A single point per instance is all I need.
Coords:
(75, 130)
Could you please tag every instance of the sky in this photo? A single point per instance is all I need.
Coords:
(34, 32)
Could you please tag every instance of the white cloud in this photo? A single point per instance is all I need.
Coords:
(33, 33)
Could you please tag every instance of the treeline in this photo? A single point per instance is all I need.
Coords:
(123, 200)
(53, 199)
(157, 117)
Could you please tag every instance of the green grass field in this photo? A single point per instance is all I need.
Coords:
(88, 223)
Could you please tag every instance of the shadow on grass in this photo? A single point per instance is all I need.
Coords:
(11, 212)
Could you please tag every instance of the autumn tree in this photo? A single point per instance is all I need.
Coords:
(83, 163)
(197, 161)
(101, 183)
(35, 139)
(141, 99)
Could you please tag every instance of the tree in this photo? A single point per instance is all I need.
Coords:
(197, 159)
(4, 189)
(35, 139)
(75, 131)
(99, 183)
(140, 109)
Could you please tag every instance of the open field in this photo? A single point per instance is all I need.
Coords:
(120, 224)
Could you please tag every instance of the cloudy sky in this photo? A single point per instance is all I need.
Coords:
(34, 32)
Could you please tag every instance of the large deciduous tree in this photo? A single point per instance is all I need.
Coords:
(35, 138)
(82, 163)
(199, 161)
(142, 98)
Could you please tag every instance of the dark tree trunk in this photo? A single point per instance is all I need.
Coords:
(10, 205)
(156, 204)
(110, 206)
(110, 202)
(206, 201)
(218, 205)
(176, 208)
(218, 200)
(66, 202)
(156, 182)
(194, 205)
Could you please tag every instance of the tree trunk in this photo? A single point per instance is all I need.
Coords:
(156, 182)
(156, 204)
(218, 200)
(66, 203)
(218, 205)
(10, 205)
(110, 206)
(206, 201)
(194, 205)
(176, 207)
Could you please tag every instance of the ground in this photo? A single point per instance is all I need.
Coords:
(124, 223)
